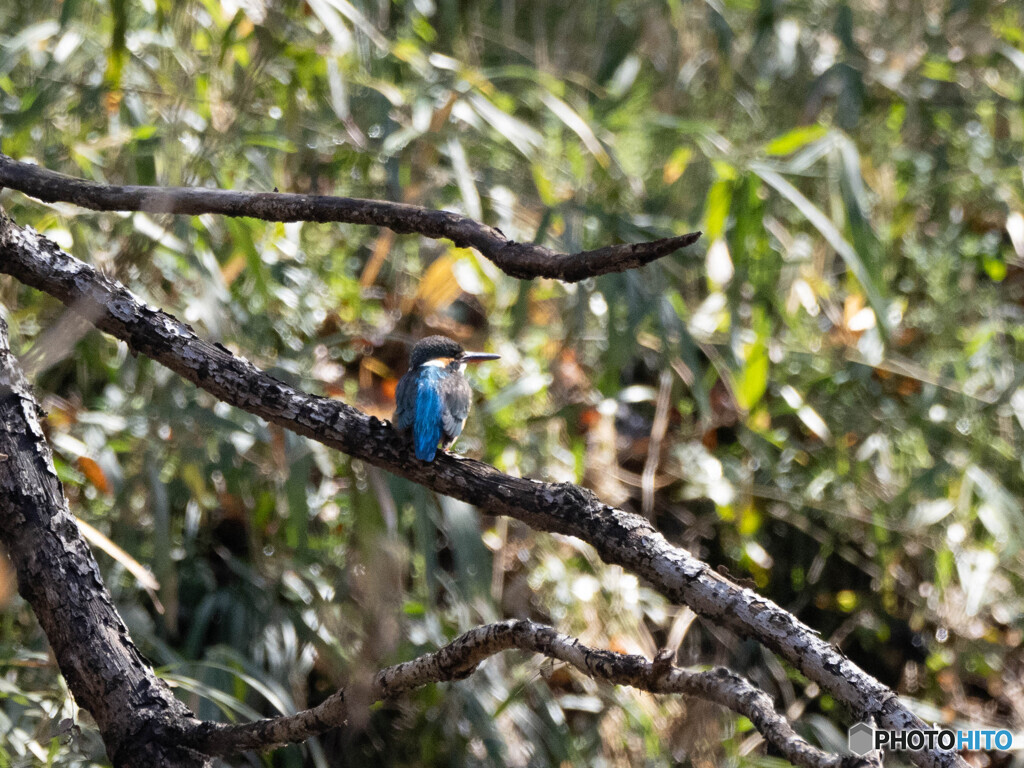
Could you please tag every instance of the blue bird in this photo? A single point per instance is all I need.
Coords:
(432, 398)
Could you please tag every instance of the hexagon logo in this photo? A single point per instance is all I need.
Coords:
(861, 739)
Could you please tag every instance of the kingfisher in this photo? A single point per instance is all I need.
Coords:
(432, 398)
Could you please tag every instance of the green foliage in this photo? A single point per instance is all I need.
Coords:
(847, 405)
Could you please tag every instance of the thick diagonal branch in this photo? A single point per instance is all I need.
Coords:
(522, 260)
(462, 655)
(142, 722)
(619, 537)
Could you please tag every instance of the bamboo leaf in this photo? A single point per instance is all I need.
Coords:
(833, 236)
(798, 138)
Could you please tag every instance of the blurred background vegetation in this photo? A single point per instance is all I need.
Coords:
(824, 396)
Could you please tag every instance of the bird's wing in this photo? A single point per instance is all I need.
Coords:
(405, 401)
(427, 426)
(456, 406)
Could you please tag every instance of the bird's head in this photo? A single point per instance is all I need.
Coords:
(440, 350)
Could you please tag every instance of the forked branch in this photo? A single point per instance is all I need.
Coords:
(619, 537)
(461, 657)
(141, 721)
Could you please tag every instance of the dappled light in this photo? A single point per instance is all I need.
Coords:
(822, 397)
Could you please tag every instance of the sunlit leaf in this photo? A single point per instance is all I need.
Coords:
(676, 165)
(926, 513)
(94, 474)
(795, 139)
(146, 580)
(439, 288)
(829, 231)
(751, 381)
(464, 178)
(523, 137)
(717, 211)
(578, 125)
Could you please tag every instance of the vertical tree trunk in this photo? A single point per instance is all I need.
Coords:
(58, 576)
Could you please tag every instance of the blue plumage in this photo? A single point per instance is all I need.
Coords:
(432, 398)
(427, 422)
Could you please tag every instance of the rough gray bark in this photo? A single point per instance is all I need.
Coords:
(524, 260)
(619, 537)
(59, 578)
(140, 720)
(461, 657)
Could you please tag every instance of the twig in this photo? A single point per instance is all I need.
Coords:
(460, 658)
(523, 260)
(619, 537)
(658, 430)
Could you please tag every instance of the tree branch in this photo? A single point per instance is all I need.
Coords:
(94, 650)
(139, 718)
(523, 260)
(619, 537)
(460, 658)
(58, 576)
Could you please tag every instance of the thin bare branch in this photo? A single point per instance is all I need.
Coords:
(523, 260)
(460, 658)
(619, 537)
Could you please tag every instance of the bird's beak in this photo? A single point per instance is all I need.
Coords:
(477, 357)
